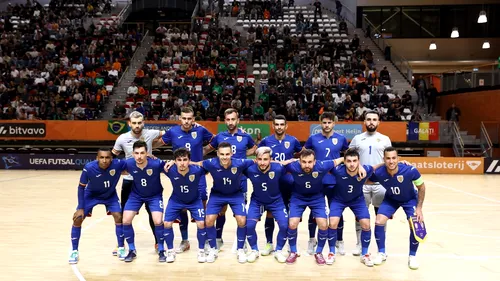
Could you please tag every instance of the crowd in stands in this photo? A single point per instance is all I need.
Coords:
(54, 67)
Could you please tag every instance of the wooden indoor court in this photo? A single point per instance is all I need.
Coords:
(461, 213)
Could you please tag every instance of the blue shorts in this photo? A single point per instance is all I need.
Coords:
(175, 207)
(357, 206)
(112, 204)
(277, 208)
(316, 204)
(217, 201)
(389, 207)
(134, 203)
(202, 188)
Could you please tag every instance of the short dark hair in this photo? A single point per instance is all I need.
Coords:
(280, 117)
(327, 115)
(390, 149)
(187, 109)
(182, 152)
(371, 112)
(104, 149)
(307, 152)
(139, 144)
(351, 152)
(224, 144)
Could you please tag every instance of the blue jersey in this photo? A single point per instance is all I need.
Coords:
(308, 185)
(226, 181)
(147, 181)
(185, 188)
(192, 140)
(349, 187)
(282, 149)
(400, 186)
(101, 184)
(239, 141)
(266, 186)
(327, 148)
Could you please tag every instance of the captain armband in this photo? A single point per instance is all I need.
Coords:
(418, 181)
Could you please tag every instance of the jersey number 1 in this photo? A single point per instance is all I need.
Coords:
(370, 150)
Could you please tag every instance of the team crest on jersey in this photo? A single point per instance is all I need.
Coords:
(400, 178)
(287, 144)
(335, 141)
(112, 172)
(378, 140)
(271, 175)
(149, 172)
(194, 134)
(359, 178)
(191, 178)
(234, 170)
(315, 174)
(142, 139)
(239, 138)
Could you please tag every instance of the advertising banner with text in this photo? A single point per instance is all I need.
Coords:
(109, 130)
(16, 161)
(447, 165)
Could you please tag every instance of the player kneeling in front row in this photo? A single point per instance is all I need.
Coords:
(265, 177)
(185, 180)
(98, 186)
(399, 180)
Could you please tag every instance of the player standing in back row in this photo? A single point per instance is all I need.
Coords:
(370, 145)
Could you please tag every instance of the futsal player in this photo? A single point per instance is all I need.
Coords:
(242, 145)
(124, 143)
(326, 145)
(147, 189)
(307, 191)
(185, 180)
(98, 186)
(192, 138)
(370, 145)
(265, 177)
(400, 181)
(283, 147)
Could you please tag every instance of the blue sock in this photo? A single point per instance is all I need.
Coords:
(201, 234)
(269, 229)
(183, 225)
(292, 239)
(241, 235)
(340, 229)
(159, 236)
(332, 239)
(76, 232)
(380, 237)
(312, 226)
(219, 225)
(211, 236)
(322, 237)
(128, 231)
(119, 235)
(413, 244)
(252, 234)
(282, 236)
(366, 236)
(168, 236)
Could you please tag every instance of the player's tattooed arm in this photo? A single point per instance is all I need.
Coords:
(158, 142)
(420, 202)
(207, 149)
(252, 150)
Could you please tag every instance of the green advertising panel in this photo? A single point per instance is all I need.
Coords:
(251, 128)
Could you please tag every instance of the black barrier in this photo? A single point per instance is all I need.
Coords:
(16, 161)
(492, 166)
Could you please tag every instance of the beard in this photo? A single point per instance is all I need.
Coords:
(371, 129)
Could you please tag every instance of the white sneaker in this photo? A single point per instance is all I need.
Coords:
(212, 255)
(201, 256)
(242, 256)
(413, 263)
(207, 247)
(280, 257)
(366, 260)
(121, 253)
(268, 249)
(253, 256)
(357, 250)
(74, 257)
(311, 245)
(380, 258)
(170, 255)
(184, 246)
(339, 245)
(330, 259)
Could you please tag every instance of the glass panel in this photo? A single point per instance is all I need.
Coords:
(430, 22)
(410, 21)
(373, 14)
(391, 22)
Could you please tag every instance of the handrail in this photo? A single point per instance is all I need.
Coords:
(485, 135)
(488, 139)
(457, 140)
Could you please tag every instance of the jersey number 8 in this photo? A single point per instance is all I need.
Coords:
(144, 182)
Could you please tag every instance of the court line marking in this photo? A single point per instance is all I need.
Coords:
(73, 266)
(465, 234)
(23, 178)
(464, 192)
